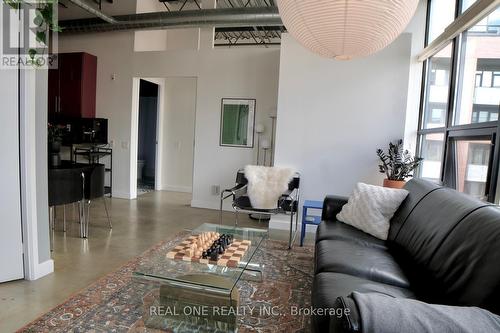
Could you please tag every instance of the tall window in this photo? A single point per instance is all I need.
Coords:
(459, 122)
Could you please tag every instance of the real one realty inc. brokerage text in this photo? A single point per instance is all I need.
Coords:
(203, 310)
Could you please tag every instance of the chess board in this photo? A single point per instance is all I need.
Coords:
(230, 258)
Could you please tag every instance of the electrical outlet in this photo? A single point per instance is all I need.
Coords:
(112, 143)
(215, 189)
(125, 144)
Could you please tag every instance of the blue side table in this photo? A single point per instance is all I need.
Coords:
(309, 219)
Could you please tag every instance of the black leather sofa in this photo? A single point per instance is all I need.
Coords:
(443, 248)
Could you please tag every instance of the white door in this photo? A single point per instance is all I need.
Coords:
(11, 248)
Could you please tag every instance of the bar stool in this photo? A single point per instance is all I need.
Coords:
(94, 189)
(65, 186)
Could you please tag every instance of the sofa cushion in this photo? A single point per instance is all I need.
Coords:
(348, 257)
(328, 286)
(417, 189)
(370, 208)
(466, 266)
(428, 225)
(339, 230)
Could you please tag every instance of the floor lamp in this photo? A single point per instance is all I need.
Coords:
(266, 145)
(273, 126)
(259, 129)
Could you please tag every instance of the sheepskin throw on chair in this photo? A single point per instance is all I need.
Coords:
(267, 184)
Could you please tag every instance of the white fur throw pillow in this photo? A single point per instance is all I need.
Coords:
(371, 207)
(267, 184)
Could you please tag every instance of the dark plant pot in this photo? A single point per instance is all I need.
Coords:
(54, 160)
(54, 147)
(394, 183)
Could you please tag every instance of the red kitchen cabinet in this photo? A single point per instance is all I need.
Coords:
(72, 86)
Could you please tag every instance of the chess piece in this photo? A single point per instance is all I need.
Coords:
(214, 256)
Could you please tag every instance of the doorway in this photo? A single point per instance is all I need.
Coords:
(175, 134)
(146, 136)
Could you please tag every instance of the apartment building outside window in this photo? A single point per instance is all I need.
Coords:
(459, 121)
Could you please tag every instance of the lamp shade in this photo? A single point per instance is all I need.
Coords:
(346, 29)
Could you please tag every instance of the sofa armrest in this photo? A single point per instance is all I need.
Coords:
(332, 205)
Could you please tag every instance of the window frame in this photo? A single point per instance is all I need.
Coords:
(456, 132)
(495, 74)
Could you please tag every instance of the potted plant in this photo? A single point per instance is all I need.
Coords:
(397, 164)
(55, 135)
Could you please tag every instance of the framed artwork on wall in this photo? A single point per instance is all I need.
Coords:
(237, 122)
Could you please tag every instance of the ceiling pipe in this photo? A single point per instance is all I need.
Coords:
(219, 18)
(93, 11)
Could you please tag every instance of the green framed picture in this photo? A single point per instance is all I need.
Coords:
(237, 122)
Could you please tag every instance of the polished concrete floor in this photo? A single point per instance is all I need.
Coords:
(137, 225)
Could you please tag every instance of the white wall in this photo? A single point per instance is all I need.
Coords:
(11, 246)
(178, 133)
(242, 73)
(33, 171)
(42, 203)
(333, 115)
(417, 30)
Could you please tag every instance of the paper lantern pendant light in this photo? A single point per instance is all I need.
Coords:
(346, 29)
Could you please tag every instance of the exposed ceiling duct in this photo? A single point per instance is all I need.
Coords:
(219, 18)
(93, 11)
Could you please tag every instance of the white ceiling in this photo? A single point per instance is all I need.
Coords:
(119, 7)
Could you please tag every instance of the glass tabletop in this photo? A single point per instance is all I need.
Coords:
(205, 276)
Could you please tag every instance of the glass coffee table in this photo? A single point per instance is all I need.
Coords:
(197, 295)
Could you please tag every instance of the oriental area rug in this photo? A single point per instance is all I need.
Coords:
(119, 303)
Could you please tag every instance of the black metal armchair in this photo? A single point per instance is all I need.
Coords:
(287, 204)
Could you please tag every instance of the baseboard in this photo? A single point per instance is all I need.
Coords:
(279, 222)
(42, 269)
(121, 195)
(282, 222)
(212, 204)
(175, 188)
